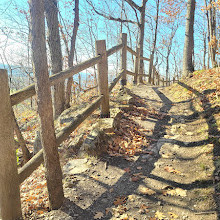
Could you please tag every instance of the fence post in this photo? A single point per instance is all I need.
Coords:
(137, 65)
(10, 204)
(124, 58)
(103, 78)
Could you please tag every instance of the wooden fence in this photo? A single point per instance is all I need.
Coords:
(10, 176)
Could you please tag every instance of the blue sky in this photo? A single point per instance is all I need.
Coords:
(99, 27)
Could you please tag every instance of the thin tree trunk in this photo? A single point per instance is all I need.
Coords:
(45, 109)
(189, 39)
(55, 53)
(154, 43)
(212, 31)
(204, 52)
(21, 141)
(71, 53)
(141, 38)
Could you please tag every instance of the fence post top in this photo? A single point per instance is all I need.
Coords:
(100, 41)
(3, 71)
(123, 36)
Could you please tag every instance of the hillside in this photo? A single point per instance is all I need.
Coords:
(162, 162)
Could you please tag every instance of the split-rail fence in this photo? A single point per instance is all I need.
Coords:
(10, 176)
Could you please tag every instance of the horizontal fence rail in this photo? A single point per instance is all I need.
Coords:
(36, 161)
(29, 91)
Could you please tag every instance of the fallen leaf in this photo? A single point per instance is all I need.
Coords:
(39, 212)
(95, 177)
(171, 192)
(175, 192)
(146, 191)
(167, 155)
(144, 209)
(127, 170)
(137, 174)
(120, 209)
(98, 215)
(111, 190)
(139, 168)
(124, 217)
(131, 197)
(173, 215)
(171, 170)
(120, 200)
(180, 192)
(135, 178)
(107, 210)
(159, 215)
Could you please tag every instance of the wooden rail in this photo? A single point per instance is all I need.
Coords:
(135, 53)
(29, 91)
(35, 161)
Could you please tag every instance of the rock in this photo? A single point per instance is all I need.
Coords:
(93, 144)
(37, 142)
(106, 124)
(77, 142)
(76, 166)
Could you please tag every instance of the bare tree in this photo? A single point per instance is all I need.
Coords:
(189, 39)
(55, 53)
(211, 27)
(154, 41)
(140, 22)
(71, 52)
(169, 47)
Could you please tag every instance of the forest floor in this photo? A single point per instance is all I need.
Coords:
(162, 163)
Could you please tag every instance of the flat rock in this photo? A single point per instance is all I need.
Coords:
(76, 166)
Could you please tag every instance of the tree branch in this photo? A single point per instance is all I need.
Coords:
(133, 4)
(109, 17)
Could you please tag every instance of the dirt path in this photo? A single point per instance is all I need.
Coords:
(172, 179)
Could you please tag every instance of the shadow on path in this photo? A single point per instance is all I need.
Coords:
(123, 186)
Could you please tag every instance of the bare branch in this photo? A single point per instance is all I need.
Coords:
(133, 4)
(109, 17)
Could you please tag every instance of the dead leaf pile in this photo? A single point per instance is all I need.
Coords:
(34, 195)
(130, 138)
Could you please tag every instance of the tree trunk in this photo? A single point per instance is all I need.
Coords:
(208, 36)
(71, 53)
(141, 38)
(21, 141)
(45, 110)
(204, 52)
(154, 44)
(189, 39)
(55, 53)
(212, 34)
